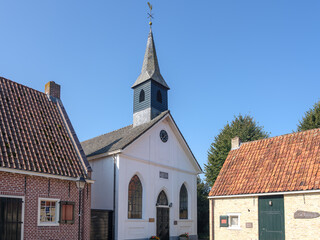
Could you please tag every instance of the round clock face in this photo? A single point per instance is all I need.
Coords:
(163, 136)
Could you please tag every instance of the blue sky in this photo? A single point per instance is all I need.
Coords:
(220, 58)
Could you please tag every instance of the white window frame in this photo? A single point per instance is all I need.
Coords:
(56, 223)
(229, 219)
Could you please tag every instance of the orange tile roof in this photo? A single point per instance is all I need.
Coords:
(285, 163)
(33, 134)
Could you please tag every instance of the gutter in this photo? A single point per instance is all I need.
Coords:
(114, 196)
(46, 175)
(265, 194)
(107, 154)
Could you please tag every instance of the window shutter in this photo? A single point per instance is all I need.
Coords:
(67, 212)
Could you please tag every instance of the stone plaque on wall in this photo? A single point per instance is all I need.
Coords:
(249, 225)
(305, 215)
(164, 175)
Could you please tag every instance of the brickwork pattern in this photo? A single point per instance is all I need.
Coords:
(52, 89)
(35, 187)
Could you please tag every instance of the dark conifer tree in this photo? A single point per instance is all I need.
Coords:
(246, 128)
(203, 208)
(311, 119)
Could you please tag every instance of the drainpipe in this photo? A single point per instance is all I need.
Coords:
(114, 196)
(79, 217)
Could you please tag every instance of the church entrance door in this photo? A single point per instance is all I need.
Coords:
(162, 216)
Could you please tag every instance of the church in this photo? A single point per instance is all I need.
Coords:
(145, 173)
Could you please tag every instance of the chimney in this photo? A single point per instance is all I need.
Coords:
(52, 89)
(235, 143)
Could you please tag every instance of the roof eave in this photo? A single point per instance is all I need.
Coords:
(188, 147)
(107, 154)
(265, 194)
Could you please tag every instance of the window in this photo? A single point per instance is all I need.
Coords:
(162, 199)
(159, 96)
(141, 96)
(48, 214)
(183, 202)
(234, 220)
(135, 198)
(67, 212)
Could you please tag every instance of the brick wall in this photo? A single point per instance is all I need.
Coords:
(36, 187)
(247, 207)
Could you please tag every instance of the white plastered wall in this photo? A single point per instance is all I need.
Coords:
(146, 157)
(102, 189)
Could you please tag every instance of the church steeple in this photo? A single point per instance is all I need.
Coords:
(150, 88)
(150, 67)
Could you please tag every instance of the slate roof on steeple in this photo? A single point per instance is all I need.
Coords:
(150, 67)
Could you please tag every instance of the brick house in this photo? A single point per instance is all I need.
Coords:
(41, 161)
(269, 189)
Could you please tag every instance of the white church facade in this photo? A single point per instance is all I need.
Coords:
(145, 172)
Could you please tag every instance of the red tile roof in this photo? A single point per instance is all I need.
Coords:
(34, 134)
(285, 163)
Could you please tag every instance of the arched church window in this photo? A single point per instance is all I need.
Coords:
(135, 198)
(183, 202)
(162, 199)
(141, 96)
(159, 96)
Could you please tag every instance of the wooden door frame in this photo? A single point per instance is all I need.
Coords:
(22, 210)
(163, 206)
(284, 222)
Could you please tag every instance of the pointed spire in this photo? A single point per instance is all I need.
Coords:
(150, 66)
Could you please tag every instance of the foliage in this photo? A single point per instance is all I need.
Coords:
(203, 208)
(311, 119)
(154, 237)
(186, 235)
(246, 128)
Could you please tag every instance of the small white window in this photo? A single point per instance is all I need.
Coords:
(48, 212)
(234, 220)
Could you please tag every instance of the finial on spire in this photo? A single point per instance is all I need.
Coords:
(150, 15)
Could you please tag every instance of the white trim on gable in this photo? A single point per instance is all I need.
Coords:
(178, 134)
(180, 138)
(183, 142)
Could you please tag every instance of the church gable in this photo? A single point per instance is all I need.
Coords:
(163, 144)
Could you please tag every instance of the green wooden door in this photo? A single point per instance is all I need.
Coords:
(271, 218)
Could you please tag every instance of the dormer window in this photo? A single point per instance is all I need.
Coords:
(159, 96)
(141, 96)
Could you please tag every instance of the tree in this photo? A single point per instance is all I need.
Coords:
(203, 208)
(311, 119)
(246, 128)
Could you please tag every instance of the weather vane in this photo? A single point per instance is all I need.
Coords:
(150, 15)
